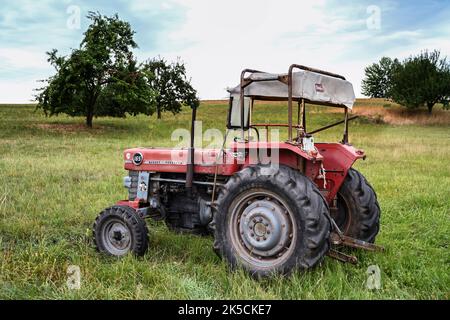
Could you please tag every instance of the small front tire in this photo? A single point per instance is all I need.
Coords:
(119, 230)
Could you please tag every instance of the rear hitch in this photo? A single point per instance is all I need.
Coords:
(342, 256)
(337, 238)
(342, 240)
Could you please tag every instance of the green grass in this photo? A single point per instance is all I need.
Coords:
(56, 177)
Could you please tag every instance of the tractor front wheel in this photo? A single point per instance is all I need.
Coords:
(358, 213)
(271, 221)
(119, 230)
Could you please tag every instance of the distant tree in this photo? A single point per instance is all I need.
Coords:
(171, 85)
(446, 103)
(378, 78)
(101, 78)
(422, 80)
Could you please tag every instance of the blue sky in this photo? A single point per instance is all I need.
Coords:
(217, 39)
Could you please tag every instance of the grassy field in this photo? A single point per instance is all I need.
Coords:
(56, 176)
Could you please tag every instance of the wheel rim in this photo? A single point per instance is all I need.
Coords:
(116, 237)
(262, 228)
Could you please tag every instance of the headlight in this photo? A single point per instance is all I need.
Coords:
(127, 182)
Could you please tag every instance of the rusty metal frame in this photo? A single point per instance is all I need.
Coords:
(288, 80)
(333, 125)
(244, 84)
(338, 238)
(290, 89)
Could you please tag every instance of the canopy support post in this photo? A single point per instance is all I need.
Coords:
(303, 115)
(290, 103)
(191, 155)
(250, 136)
(242, 105)
(345, 139)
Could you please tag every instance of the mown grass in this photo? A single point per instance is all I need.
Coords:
(56, 176)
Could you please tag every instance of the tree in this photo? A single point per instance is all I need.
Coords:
(422, 80)
(171, 84)
(378, 78)
(101, 77)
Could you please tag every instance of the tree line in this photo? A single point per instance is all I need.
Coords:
(418, 81)
(103, 78)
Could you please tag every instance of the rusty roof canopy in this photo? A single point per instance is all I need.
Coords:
(312, 86)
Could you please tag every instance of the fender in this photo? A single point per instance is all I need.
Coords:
(338, 158)
(327, 166)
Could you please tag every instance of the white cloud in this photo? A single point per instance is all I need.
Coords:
(22, 58)
(20, 69)
(17, 91)
(144, 6)
(228, 36)
(400, 35)
(217, 39)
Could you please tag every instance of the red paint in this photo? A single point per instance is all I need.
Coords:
(336, 158)
(133, 204)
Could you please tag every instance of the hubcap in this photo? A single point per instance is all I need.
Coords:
(262, 228)
(116, 237)
(265, 227)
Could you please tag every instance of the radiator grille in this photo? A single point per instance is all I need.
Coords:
(132, 191)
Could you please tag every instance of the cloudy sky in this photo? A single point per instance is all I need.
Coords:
(217, 39)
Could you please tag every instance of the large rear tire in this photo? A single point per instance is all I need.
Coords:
(358, 211)
(271, 221)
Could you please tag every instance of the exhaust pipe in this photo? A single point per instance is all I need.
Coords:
(191, 156)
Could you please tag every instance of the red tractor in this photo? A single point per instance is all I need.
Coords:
(272, 206)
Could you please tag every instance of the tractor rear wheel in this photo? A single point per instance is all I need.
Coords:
(271, 221)
(358, 212)
(119, 230)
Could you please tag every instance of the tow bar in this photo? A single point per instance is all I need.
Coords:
(339, 239)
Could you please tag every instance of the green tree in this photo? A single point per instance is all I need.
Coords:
(101, 77)
(171, 84)
(378, 78)
(422, 80)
